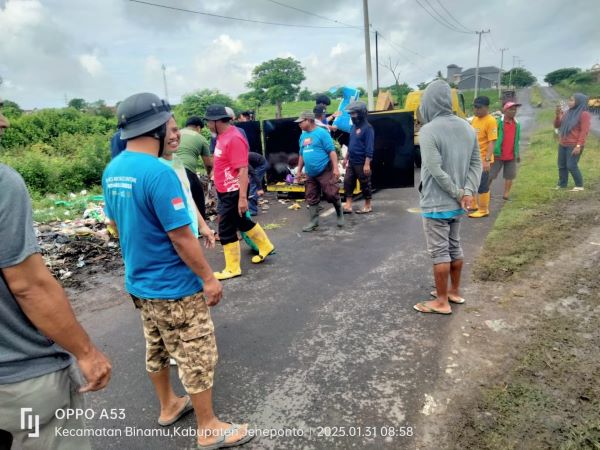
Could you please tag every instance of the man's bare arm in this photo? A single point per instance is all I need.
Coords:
(44, 302)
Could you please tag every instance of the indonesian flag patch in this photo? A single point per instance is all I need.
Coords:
(177, 203)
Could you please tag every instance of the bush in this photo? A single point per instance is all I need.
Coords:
(46, 169)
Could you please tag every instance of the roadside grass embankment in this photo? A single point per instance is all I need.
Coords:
(530, 225)
(549, 395)
(566, 89)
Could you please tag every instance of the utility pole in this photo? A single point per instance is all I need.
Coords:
(502, 50)
(377, 62)
(477, 68)
(164, 71)
(368, 55)
(511, 71)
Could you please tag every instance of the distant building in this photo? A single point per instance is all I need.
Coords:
(465, 80)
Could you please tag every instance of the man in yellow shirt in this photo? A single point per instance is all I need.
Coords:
(486, 129)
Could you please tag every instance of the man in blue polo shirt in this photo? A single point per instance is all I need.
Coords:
(318, 157)
(165, 270)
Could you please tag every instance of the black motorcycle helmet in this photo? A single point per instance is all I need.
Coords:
(144, 114)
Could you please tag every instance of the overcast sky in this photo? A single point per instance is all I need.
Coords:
(108, 49)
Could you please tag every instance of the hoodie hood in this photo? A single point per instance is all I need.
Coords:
(436, 101)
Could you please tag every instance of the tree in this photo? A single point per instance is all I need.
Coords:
(520, 77)
(99, 108)
(400, 91)
(195, 104)
(582, 78)
(278, 80)
(559, 75)
(305, 95)
(251, 100)
(11, 109)
(77, 103)
(423, 85)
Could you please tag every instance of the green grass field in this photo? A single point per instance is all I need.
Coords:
(533, 220)
(566, 89)
(491, 93)
(292, 109)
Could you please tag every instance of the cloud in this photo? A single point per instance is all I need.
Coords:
(47, 52)
(91, 64)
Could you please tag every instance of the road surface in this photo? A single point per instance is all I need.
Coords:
(321, 335)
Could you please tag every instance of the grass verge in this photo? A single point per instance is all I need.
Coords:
(538, 216)
(550, 398)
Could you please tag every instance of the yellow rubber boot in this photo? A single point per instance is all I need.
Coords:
(232, 262)
(484, 206)
(259, 237)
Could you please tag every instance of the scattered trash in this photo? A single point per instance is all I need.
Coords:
(295, 206)
(272, 226)
(429, 406)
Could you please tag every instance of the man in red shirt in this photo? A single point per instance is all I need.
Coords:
(506, 149)
(231, 181)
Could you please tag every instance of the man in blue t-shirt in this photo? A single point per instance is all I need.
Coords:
(318, 157)
(359, 157)
(166, 272)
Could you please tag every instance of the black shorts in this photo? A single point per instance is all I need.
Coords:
(230, 221)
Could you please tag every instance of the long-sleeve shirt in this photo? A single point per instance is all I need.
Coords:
(361, 145)
(578, 133)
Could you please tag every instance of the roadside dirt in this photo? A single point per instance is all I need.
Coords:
(521, 366)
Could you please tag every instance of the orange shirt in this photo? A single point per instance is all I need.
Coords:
(486, 129)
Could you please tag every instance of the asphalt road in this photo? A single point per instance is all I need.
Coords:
(322, 334)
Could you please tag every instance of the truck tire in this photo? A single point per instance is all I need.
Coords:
(417, 156)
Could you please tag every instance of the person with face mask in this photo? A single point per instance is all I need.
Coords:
(359, 157)
(573, 128)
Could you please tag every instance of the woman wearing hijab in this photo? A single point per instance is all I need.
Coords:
(573, 126)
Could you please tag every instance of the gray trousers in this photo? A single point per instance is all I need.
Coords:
(44, 395)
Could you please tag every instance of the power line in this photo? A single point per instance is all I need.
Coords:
(442, 18)
(440, 22)
(454, 18)
(393, 44)
(313, 14)
(235, 18)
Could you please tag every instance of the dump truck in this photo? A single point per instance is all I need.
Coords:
(413, 101)
(594, 105)
(392, 165)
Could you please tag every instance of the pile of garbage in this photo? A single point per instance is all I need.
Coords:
(70, 245)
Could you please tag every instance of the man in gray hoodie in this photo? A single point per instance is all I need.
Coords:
(450, 174)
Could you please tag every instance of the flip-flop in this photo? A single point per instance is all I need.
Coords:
(187, 407)
(423, 308)
(457, 300)
(347, 211)
(220, 443)
(364, 211)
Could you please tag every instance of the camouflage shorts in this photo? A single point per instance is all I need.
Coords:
(183, 330)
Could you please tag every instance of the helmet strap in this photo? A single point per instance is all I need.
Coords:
(161, 134)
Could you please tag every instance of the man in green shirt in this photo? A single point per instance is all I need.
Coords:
(193, 146)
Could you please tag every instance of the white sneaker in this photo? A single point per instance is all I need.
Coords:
(577, 189)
